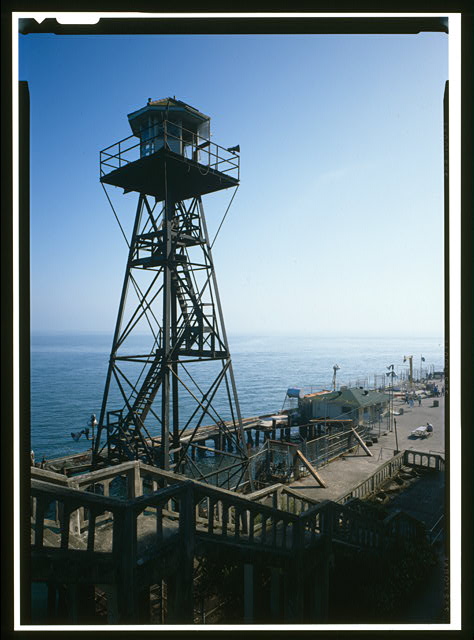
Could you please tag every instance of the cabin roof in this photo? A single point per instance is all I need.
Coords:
(166, 107)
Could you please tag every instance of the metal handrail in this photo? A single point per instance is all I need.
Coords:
(219, 158)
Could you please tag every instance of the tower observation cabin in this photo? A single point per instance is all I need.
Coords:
(174, 124)
(170, 130)
(158, 396)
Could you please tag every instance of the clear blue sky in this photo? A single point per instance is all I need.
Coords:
(337, 227)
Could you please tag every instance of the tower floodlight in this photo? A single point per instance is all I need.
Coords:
(170, 370)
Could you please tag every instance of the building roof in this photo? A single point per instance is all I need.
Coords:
(166, 107)
(173, 102)
(316, 393)
(353, 397)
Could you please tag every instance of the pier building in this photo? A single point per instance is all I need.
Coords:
(360, 405)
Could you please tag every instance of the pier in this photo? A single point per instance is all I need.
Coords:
(355, 466)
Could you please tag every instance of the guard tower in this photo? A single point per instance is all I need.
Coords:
(170, 370)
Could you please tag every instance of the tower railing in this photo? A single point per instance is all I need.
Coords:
(187, 144)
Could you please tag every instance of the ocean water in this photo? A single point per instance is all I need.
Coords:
(68, 375)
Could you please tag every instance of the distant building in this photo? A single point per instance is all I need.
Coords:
(359, 405)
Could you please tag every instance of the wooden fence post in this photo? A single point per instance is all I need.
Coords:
(248, 593)
(294, 584)
(275, 594)
(184, 579)
(125, 550)
(134, 481)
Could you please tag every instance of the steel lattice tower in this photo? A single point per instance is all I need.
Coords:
(182, 379)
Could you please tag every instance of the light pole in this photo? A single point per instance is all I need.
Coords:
(410, 362)
(92, 423)
(396, 437)
(392, 374)
(421, 367)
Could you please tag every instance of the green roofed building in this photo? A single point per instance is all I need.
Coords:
(359, 405)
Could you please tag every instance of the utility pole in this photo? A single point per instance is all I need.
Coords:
(410, 362)
(335, 369)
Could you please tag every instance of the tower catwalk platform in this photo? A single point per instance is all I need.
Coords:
(185, 177)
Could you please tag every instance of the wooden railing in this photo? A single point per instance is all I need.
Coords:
(282, 497)
(108, 521)
(422, 459)
(236, 519)
(374, 481)
(356, 529)
(148, 532)
(400, 524)
(276, 517)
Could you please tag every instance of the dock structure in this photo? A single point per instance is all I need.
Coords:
(276, 451)
(354, 467)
